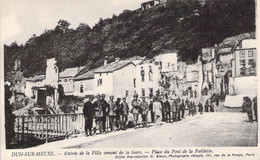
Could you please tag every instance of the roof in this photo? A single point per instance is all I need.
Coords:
(136, 59)
(35, 78)
(111, 67)
(70, 72)
(225, 50)
(86, 75)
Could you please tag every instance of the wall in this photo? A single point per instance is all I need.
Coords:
(245, 85)
(147, 84)
(52, 74)
(123, 81)
(169, 61)
(67, 86)
(107, 83)
(88, 87)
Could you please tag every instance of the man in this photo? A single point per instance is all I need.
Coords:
(179, 108)
(118, 114)
(200, 107)
(167, 109)
(174, 110)
(105, 108)
(136, 106)
(144, 110)
(111, 113)
(207, 106)
(255, 107)
(157, 111)
(211, 106)
(151, 109)
(88, 112)
(98, 114)
(182, 108)
(247, 106)
(125, 112)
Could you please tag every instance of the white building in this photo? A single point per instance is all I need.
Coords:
(66, 79)
(167, 62)
(244, 67)
(84, 84)
(116, 78)
(43, 89)
(147, 79)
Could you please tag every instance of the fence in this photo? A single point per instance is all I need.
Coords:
(47, 127)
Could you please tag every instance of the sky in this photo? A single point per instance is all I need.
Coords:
(20, 19)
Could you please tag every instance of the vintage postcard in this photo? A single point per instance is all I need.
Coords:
(129, 79)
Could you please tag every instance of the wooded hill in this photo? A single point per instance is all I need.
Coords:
(184, 25)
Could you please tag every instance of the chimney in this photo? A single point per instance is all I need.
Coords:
(117, 59)
(105, 63)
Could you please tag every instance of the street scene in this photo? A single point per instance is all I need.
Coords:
(167, 73)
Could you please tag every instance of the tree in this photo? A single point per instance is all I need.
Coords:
(83, 27)
(63, 25)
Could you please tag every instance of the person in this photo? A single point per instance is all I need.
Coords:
(194, 108)
(255, 107)
(88, 112)
(144, 110)
(118, 114)
(211, 106)
(190, 109)
(111, 113)
(195, 94)
(157, 111)
(174, 110)
(151, 109)
(179, 109)
(9, 117)
(136, 106)
(105, 108)
(247, 105)
(98, 114)
(182, 109)
(167, 107)
(163, 111)
(207, 106)
(125, 112)
(200, 107)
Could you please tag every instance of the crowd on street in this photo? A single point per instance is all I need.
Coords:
(103, 116)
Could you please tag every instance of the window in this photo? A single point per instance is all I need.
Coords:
(100, 74)
(242, 62)
(250, 53)
(126, 93)
(134, 82)
(142, 74)
(151, 92)
(150, 73)
(252, 71)
(242, 54)
(81, 88)
(251, 61)
(65, 80)
(143, 92)
(99, 82)
(243, 71)
(169, 64)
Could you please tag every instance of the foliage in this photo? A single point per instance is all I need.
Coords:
(69, 103)
(183, 25)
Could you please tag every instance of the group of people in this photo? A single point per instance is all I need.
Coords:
(248, 107)
(113, 115)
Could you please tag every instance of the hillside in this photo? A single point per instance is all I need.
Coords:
(183, 25)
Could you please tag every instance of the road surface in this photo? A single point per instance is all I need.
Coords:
(217, 129)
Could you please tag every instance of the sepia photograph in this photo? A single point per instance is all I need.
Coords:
(129, 74)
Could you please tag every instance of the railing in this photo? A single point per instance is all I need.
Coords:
(47, 127)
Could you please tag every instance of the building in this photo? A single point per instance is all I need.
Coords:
(152, 3)
(147, 79)
(167, 62)
(84, 84)
(43, 89)
(116, 78)
(66, 79)
(244, 68)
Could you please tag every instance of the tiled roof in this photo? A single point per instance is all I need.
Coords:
(111, 67)
(35, 78)
(225, 50)
(70, 72)
(86, 75)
